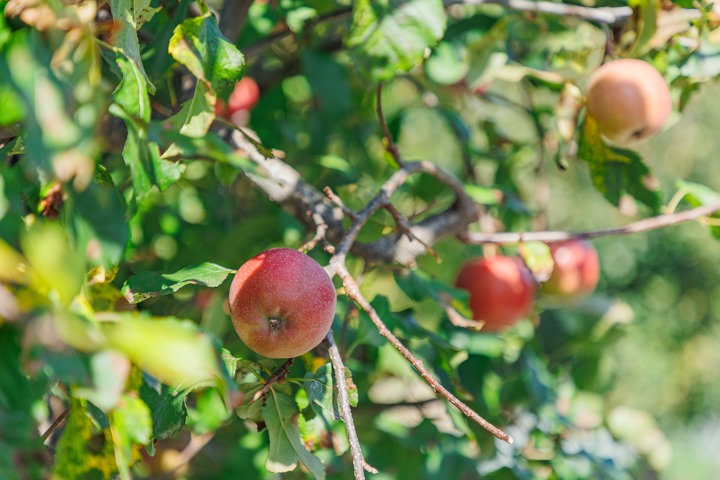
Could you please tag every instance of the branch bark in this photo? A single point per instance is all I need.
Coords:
(284, 185)
(359, 464)
(645, 225)
(607, 15)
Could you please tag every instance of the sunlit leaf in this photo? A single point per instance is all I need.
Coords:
(84, 449)
(198, 44)
(57, 268)
(151, 284)
(391, 36)
(174, 352)
(128, 14)
(131, 425)
(209, 411)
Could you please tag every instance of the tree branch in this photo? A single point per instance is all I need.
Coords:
(353, 292)
(233, 16)
(607, 15)
(283, 185)
(277, 377)
(645, 225)
(359, 464)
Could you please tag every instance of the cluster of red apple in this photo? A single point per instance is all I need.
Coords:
(282, 302)
(502, 289)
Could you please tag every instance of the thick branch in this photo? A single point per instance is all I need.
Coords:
(283, 185)
(344, 404)
(648, 224)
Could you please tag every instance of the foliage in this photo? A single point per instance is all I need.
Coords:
(126, 205)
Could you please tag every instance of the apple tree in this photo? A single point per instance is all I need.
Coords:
(482, 230)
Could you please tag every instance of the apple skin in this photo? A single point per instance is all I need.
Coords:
(629, 100)
(576, 272)
(502, 290)
(282, 303)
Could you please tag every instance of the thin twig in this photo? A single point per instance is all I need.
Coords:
(648, 224)
(353, 292)
(391, 147)
(333, 197)
(197, 442)
(277, 377)
(344, 404)
(405, 226)
(607, 15)
(54, 426)
(320, 236)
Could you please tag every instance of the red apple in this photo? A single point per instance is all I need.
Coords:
(245, 95)
(243, 98)
(629, 100)
(576, 272)
(501, 289)
(282, 303)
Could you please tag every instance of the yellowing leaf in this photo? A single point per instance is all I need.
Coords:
(174, 352)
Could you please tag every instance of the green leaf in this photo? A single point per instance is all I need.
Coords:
(446, 65)
(698, 195)
(130, 424)
(151, 284)
(197, 114)
(167, 409)
(84, 450)
(174, 352)
(390, 36)
(419, 286)
(58, 141)
(110, 371)
(647, 20)
(96, 218)
(132, 104)
(198, 45)
(58, 268)
(13, 109)
(286, 446)
(321, 391)
(129, 14)
(18, 394)
(615, 171)
(210, 411)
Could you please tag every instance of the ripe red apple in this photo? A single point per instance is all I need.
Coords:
(501, 289)
(629, 100)
(576, 272)
(282, 303)
(244, 96)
